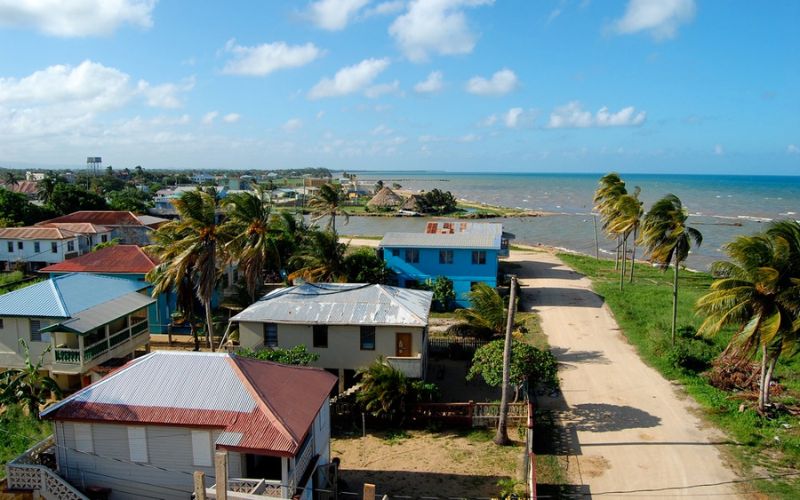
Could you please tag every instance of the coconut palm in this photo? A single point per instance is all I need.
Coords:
(606, 198)
(45, 188)
(668, 240)
(385, 391)
(760, 292)
(28, 385)
(320, 258)
(625, 222)
(177, 279)
(10, 178)
(252, 243)
(327, 203)
(485, 317)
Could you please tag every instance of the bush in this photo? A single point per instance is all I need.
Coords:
(690, 353)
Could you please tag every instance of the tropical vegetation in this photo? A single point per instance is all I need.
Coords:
(29, 385)
(486, 315)
(528, 364)
(297, 355)
(386, 393)
(327, 202)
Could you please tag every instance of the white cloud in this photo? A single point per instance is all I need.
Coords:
(166, 95)
(469, 138)
(231, 118)
(661, 18)
(383, 89)
(292, 124)
(76, 18)
(792, 149)
(268, 57)
(489, 120)
(209, 117)
(572, 115)
(381, 130)
(502, 82)
(334, 15)
(719, 150)
(435, 26)
(430, 85)
(511, 118)
(349, 79)
(386, 8)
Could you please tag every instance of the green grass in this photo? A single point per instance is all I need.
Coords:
(18, 432)
(644, 313)
(6, 280)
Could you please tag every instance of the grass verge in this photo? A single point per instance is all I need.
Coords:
(768, 448)
(18, 432)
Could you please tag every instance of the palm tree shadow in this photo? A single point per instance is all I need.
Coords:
(600, 417)
(567, 355)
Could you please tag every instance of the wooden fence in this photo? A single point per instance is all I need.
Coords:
(454, 347)
(469, 414)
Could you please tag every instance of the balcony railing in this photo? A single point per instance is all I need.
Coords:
(32, 471)
(72, 356)
(243, 489)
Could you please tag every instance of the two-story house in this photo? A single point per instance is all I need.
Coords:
(348, 325)
(145, 429)
(85, 320)
(126, 226)
(39, 246)
(465, 252)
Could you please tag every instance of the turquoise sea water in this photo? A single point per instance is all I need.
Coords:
(721, 207)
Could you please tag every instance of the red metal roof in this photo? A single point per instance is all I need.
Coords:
(117, 259)
(260, 406)
(34, 233)
(77, 227)
(100, 217)
(24, 187)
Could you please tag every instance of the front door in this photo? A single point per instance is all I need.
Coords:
(403, 345)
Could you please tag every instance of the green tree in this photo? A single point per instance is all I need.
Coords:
(320, 258)
(10, 178)
(28, 385)
(68, 198)
(387, 393)
(130, 200)
(16, 210)
(667, 239)
(327, 203)
(758, 291)
(527, 363)
(438, 202)
(606, 202)
(45, 188)
(625, 222)
(297, 355)
(443, 294)
(485, 317)
(364, 266)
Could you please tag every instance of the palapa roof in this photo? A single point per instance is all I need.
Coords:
(413, 203)
(117, 259)
(260, 406)
(385, 198)
(341, 304)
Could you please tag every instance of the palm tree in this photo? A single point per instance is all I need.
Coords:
(486, 317)
(626, 220)
(194, 244)
(760, 292)
(11, 178)
(45, 188)
(606, 198)
(320, 258)
(384, 391)
(327, 203)
(668, 239)
(252, 243)
(29, 384)
(166, 278)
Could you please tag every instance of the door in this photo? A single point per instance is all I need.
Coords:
(403, 345)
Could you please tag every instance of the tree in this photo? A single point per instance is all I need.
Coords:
(68, 198)
(606, 200)
(297, 355)
(387, 393)
(11, 178)
(443, 294)
(45, 188)
(438, 202)
(625, 222)
(28, 385)
(527, 363)
(486, 317)
(364, 266)
(668, 239)
(758, 291)
(17, 210)
(327, 203)
(320, 258)
(130, 200)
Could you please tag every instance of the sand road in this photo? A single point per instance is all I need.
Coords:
(630, 432)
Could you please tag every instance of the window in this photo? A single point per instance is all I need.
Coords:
(19, 245)
(10, 246)
(36, 334)
(367, 338)
(201, 448)
(271, 334)
(414, 284)
(395, 252)
(70, 246)
(1, 324)
(137, 444)
(445, 256)
(36, 247)
(479, 256)
(412, 255)
(104, 238)
(53, 247)
(320, 335)
(83, 438)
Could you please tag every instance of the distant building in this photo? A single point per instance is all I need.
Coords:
(200, 178)
(48, 243)
(125, 226)
(35, 176)
(28, 187)
(465, 252)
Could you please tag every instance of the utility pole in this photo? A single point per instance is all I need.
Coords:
(501, 438)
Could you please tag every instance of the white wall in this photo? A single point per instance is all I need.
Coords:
(11, 352)
(28, 253)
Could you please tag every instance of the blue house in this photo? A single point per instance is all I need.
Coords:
(465, 252)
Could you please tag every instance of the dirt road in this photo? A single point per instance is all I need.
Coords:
(629, 431)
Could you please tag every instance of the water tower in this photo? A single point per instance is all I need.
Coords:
(93, 164)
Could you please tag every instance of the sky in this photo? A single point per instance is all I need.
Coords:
(660, 86)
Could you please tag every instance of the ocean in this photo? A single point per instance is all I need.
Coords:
(721, 206)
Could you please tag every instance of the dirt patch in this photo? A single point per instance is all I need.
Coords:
(422, 463)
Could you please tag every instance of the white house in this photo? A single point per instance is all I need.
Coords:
(143, 431)
(39, 246)
(347, 325)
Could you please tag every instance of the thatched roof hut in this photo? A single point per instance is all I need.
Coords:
(386, 198)
(413, 203)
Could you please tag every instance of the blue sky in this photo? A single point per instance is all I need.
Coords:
(462, 85)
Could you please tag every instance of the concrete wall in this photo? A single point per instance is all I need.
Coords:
(344, 342)
(28, 252)
(11, 352)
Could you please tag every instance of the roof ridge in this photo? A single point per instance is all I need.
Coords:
(60, 298)
(402, 304)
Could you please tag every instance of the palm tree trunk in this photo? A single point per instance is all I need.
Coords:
(616, 255)
(209, 325)
(501, 438)
(624, 255)
(333, 221)
(767, 366)
(674, 301)
(633, 255)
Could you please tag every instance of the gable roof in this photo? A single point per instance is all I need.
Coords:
(470, 235)
(100, 217)
(117, 259)
(259, 405)
(65, 296)
(341, 304)
(29, 188)
(35, 233)
(77, 227)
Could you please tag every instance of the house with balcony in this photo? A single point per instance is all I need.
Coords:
(465, 252)
(348, 325)
(88, 323)
(129, 262)
(143, 431)
(38, 246)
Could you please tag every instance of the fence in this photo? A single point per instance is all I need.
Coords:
(470, 414)
(454, 347)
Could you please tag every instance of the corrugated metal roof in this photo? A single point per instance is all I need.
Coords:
(78, 227)
(479, 241)
(34, 233)
(257, 403)
(65, 296)
(100, 217)
(341, 304)
(120, 259)
(89, 319)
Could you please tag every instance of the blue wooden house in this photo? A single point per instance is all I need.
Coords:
(465, 252)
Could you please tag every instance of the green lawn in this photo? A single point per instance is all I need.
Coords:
(18, 432)
(8, 281)
(643, 311)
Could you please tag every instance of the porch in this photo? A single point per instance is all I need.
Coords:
(411, 366)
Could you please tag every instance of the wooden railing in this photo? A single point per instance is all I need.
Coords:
(28, 472)
(72, 356)
(470, 414)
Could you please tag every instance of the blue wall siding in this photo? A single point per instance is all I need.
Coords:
(462, 271)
